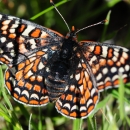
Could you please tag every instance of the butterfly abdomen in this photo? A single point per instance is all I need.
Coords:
(59, 70)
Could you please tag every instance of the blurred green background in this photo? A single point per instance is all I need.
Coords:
(79, 13)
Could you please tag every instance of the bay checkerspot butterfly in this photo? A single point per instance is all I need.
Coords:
(45, 66)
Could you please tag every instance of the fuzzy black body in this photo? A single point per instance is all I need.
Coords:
(60, 68)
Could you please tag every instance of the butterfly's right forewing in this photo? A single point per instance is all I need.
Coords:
(108, 63)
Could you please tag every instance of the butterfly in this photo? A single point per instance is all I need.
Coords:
(45, 66)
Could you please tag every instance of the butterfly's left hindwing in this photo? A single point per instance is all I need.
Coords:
(27, 89)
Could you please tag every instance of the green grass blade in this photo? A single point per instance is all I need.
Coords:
(106, 26)
(111, 3)
(29, 124)
(91, 123)
(5, 116)
(100, 105)
(49, 124)
(26, 114)
(112, 121)
(3, 90)
(48, 9)
(121, 99)
(40, 120)
(115, 94)
(77, 124)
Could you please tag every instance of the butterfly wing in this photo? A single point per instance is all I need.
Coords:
(26, 48)
(25, 80)
(100, 67)
(80, 96)
(21, 36)
(108, 63)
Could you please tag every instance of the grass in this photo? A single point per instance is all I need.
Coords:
(111, 113)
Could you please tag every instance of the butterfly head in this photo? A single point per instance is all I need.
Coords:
(72, 35)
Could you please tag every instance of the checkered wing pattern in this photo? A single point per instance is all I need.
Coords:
(44, 66)
(18, 36)
(108, 63)
(25, 81)
(100, 67)
(81, 95)
(25, 48)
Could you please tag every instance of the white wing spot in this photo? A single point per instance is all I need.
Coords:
(33, 43)
(116, 53)
(9, 45)
(79, 65)
(113, 69)
(100, 83)
(34, 96)
(17, 90)
(121, 69)
(3, 39)
(107, 79)
(14, 26)
(45, 50)
(67, 105)
(28, 30)
(94, 58)
(43, 97)
(0, 16)
(29, 73)
(25, 92)
(127, 67)
(114, 59)
(115, 77)
(125, 55)
(40, 66)
(6, 22)
(83, 108)
(4, 27)
(99, 76)
(89, 102)
(81, 88)
(92, 92)
(75, 107)
(77, 76)
(12, 30)
(104, 51)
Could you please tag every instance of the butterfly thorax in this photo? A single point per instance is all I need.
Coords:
(60, 68)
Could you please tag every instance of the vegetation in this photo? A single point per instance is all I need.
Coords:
(113, 110)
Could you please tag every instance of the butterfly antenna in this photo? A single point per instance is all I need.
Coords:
(101, 22)
(51, 1)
